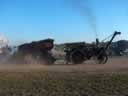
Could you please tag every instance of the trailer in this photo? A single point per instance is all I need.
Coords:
(34, 52)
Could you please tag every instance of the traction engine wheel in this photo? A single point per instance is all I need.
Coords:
(101, 59)
(77, 57)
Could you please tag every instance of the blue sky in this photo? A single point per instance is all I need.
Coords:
(63, 20)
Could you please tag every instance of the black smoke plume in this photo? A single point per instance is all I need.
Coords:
(85, 9)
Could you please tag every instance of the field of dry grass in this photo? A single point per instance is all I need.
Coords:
(86, 79)
(62, 84)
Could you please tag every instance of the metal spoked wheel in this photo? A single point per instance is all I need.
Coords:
(77, 57)
(102, 59)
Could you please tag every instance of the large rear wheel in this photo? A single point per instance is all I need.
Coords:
(77, 57)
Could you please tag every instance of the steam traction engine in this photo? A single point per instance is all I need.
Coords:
(78, 52)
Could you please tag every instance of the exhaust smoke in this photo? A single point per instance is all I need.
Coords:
(85, 9)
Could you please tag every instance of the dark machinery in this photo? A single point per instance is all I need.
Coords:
(77, 53)
(39, 52)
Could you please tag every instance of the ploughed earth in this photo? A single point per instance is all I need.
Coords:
(116, 64)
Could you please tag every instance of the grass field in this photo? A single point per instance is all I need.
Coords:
(63, 84)
(87, 79)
